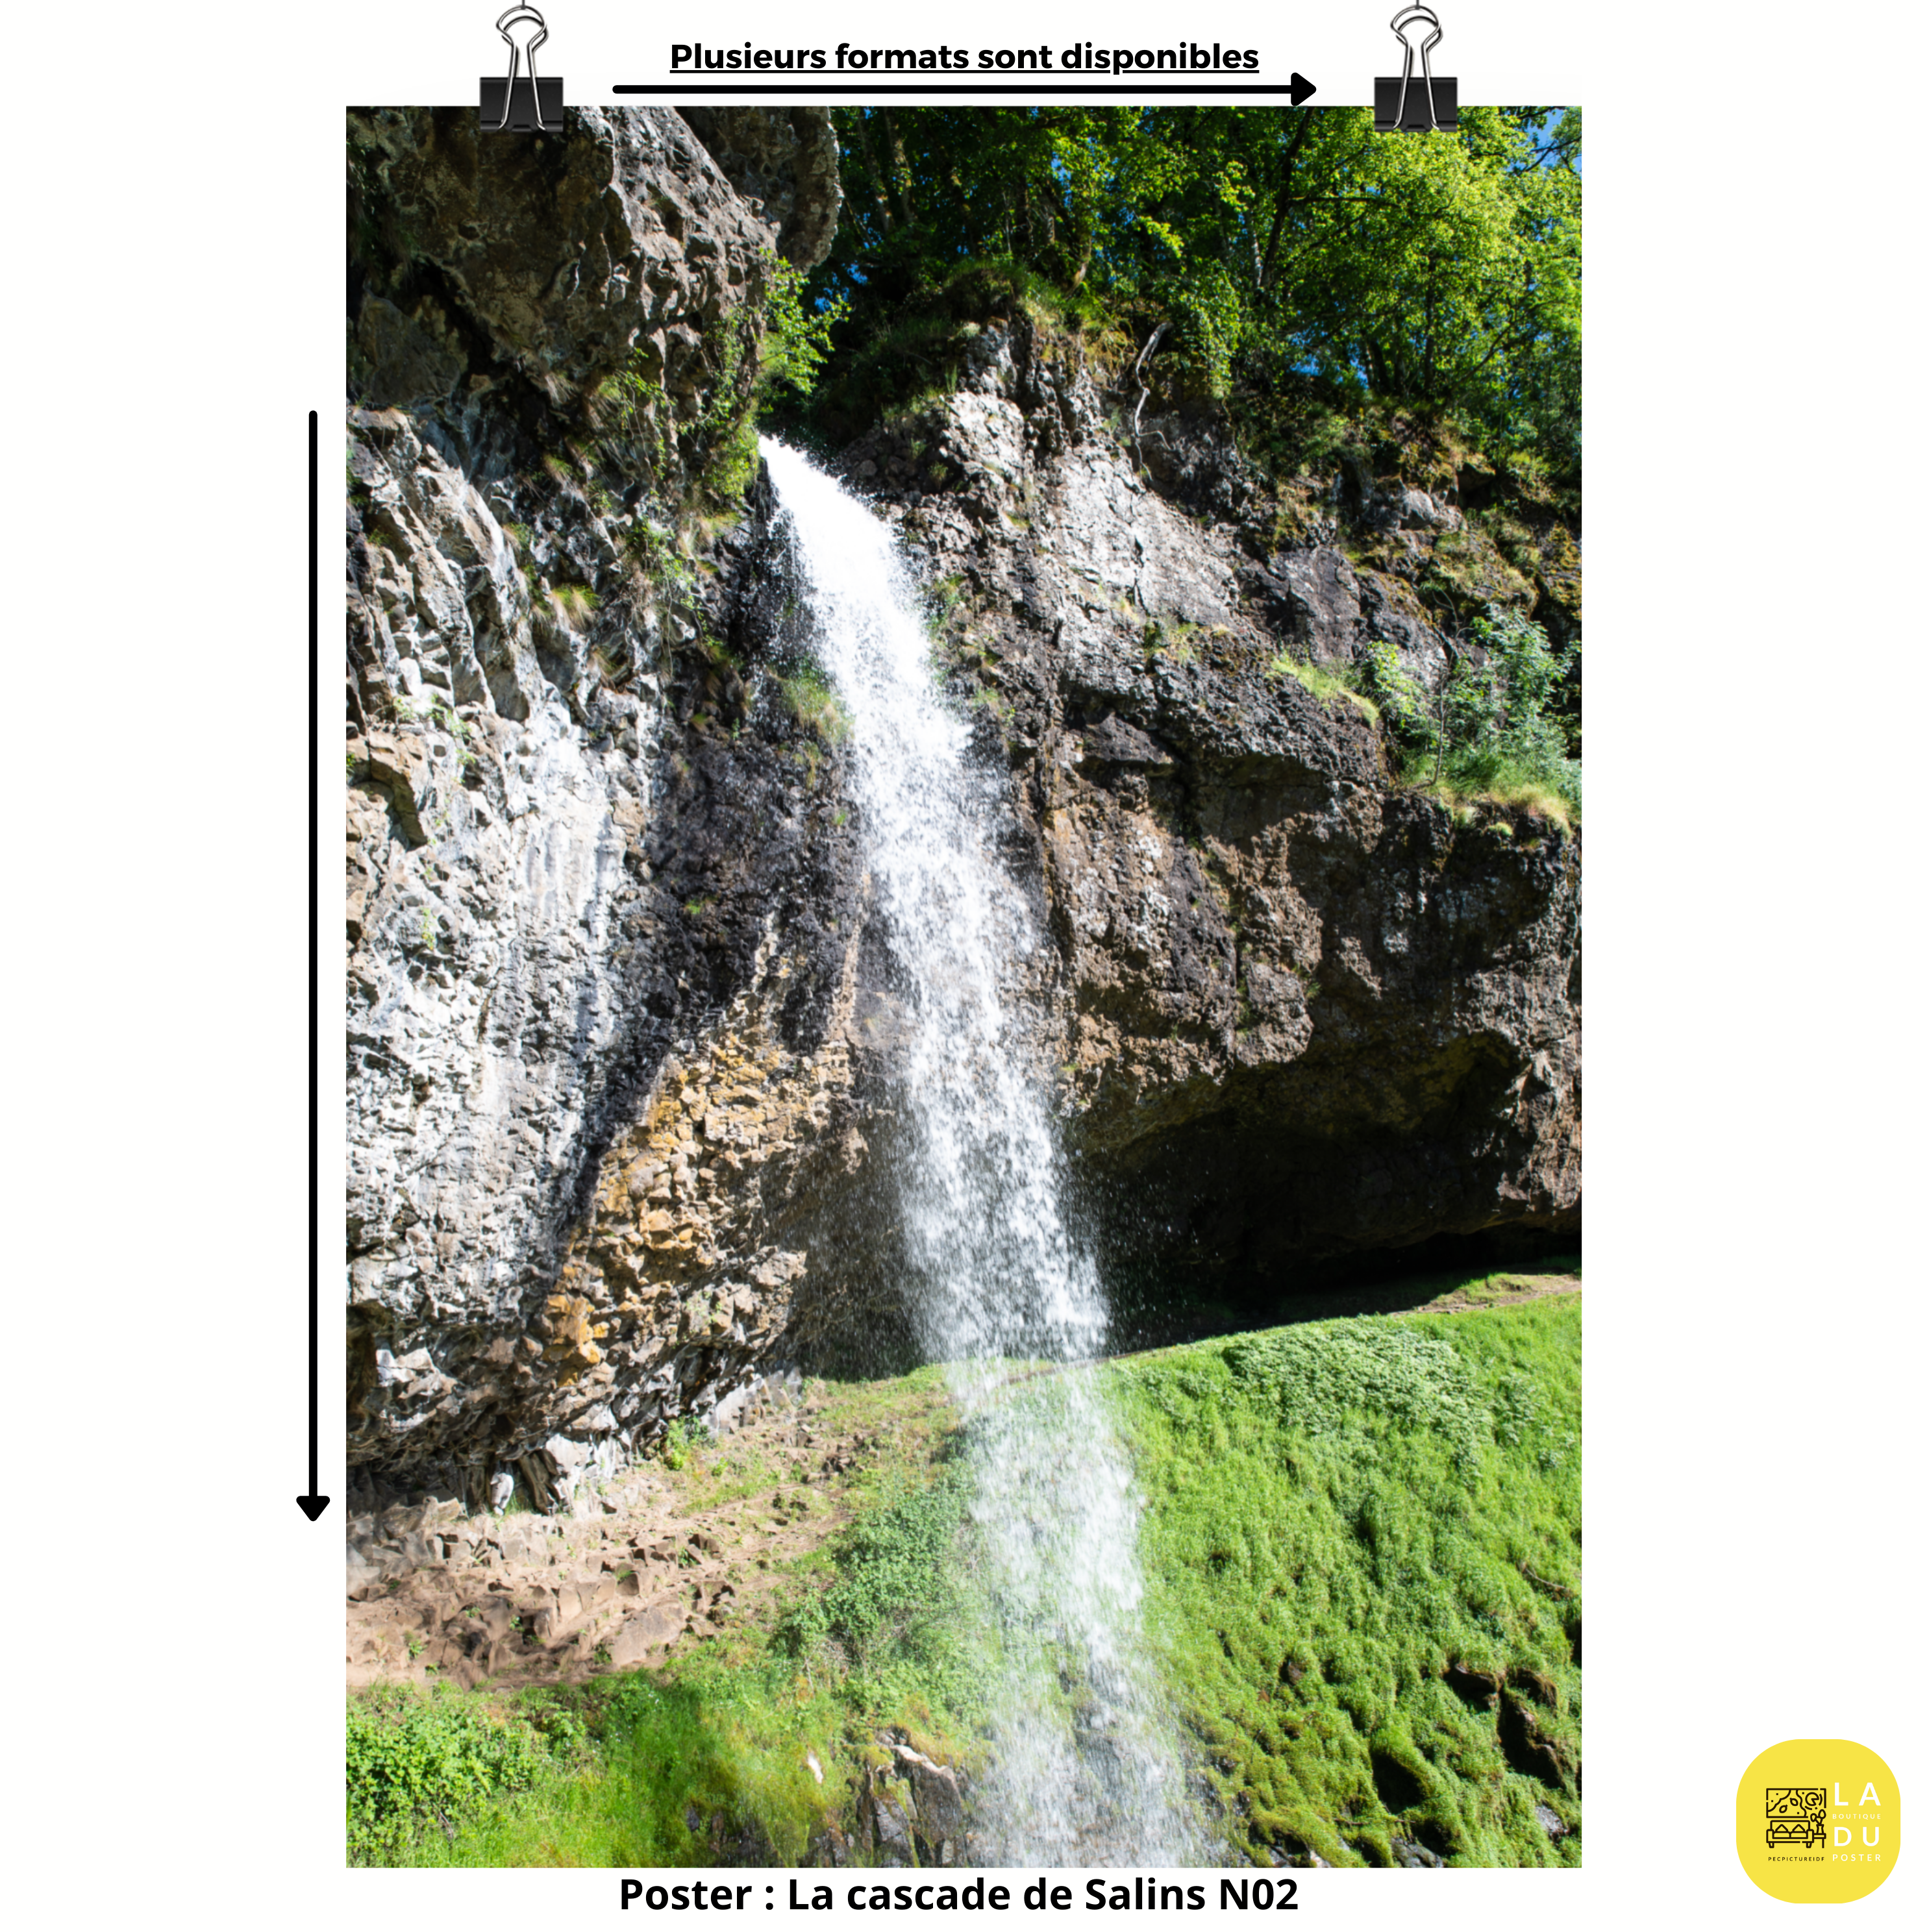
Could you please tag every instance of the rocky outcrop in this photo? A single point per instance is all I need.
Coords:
(783, 161)
(1298, 1012)
(559, 262)
(592, 875)
(620, 1021)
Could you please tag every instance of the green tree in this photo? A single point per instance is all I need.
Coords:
(1442, 271)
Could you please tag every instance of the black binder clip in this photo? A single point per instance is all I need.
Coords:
(1398, 105)
(521, 103)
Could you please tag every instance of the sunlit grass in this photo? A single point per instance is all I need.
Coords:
(1335, 1511)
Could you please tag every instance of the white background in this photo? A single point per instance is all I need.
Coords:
(1755, 712)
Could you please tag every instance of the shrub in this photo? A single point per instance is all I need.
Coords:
(1486, 733)
(891, 1567)
(796, 337)
(901, 1623)
(415, 1759)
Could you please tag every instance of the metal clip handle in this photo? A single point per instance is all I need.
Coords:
(520, 16)
(1408, 17)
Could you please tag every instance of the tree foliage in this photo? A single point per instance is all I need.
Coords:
(1442, 271)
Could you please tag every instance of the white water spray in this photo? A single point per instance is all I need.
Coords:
(1085, 1771)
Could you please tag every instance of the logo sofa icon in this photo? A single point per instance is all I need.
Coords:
(1795, 1814)
(1818, 1821)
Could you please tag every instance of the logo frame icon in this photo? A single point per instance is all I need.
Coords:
(1818, 1821)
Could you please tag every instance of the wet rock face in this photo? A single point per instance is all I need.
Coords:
(1296, 1012)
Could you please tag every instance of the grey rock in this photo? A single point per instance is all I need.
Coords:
(938, 1793)
(785, 159)
(891, 1826)
(1312, 599)
(409, 359)
(363, 1577)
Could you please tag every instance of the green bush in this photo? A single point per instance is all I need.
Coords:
(900, 1621)
(890, 1567)
(1488, 732)
(796, 334)
(418, 1760)
(1210, 323)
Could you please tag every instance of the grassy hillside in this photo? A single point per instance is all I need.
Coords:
(1340, 1511)
(1361, 1540)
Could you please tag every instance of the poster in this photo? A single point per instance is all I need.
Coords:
(1737, 1133)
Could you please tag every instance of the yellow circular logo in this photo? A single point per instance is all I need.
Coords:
(1818, 1821)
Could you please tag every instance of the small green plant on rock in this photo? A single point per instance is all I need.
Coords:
(1329, 684)
(576, 604)
(653, 551)
(807, 696)
(681, 1441)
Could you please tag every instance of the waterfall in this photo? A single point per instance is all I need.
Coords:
(1084, 1769)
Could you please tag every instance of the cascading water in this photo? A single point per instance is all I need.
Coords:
(1085, 1771)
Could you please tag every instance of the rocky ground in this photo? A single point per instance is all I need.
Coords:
(654, 1559)
(658, 1558)
(655, 1562)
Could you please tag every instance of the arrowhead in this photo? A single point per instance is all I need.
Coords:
(312, 1506)
(1302, 89)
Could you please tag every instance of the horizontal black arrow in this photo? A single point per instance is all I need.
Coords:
(1298, 89)
(311, 1504)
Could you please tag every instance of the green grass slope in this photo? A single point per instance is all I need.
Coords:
(1361, 1541)
(1339, 1511)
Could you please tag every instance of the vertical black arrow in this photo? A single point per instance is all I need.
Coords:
(312, 1505)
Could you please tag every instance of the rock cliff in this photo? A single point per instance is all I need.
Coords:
(620, 1020)
(1297, 1011)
